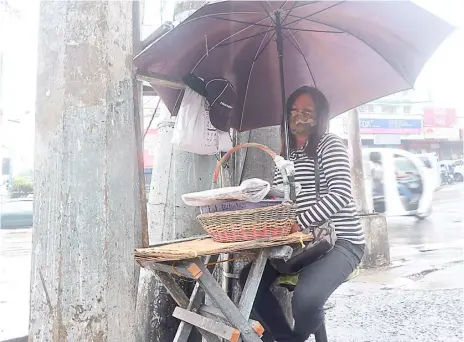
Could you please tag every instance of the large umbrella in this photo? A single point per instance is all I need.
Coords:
(353, 51)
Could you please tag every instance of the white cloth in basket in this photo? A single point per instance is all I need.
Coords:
(251, 190)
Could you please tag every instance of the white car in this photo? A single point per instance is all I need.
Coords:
(402, 185)
(459, 170)
(432, 164)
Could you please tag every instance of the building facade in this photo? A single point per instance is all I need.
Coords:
(408, 121)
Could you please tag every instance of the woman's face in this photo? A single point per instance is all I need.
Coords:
(303, 115)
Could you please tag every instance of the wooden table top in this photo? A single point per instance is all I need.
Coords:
(201, 246)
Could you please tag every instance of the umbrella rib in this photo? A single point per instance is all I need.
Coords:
(317, 31)
(295, 7)
(248, 81)
(222, 41)
(291, 9)
(212, 15)
(312, 14)
(243, 22)
(265, 46)
(267, 12)
(298, 48)
(366, 43)
(282, 6)
(242, 39)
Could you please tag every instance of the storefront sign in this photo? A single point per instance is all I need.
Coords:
(439, 117)
(391, 126)
(446, 133)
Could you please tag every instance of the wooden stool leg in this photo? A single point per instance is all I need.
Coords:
(321, 334)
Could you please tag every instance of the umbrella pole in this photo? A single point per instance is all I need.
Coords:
(280, 54)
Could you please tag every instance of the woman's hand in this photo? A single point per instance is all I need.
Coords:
(295, 228)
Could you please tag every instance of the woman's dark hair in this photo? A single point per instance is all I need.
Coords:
(322, 120)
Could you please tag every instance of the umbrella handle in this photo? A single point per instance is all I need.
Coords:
(289, 185)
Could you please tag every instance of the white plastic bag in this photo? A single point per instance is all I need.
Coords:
(224, 141)
(251, 190)
(193, 131)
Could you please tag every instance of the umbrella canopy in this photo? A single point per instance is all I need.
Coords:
(353, 51)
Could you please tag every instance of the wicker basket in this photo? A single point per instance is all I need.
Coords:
(250, 224)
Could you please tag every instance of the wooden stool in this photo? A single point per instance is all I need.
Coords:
(224, 320)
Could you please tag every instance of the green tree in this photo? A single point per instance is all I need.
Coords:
(20, 187)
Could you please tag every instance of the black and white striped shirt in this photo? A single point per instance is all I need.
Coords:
(336, 201)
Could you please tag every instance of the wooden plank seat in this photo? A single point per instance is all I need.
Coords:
(195, 258)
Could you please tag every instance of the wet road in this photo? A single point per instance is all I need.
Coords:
(419, 298)
(443, 226)
(15, 259)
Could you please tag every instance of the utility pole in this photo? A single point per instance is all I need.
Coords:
(356, 158)
(175, 173)
(87, 199)
(374, 225)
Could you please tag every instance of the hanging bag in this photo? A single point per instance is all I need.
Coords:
(324, 240)
(193, 131)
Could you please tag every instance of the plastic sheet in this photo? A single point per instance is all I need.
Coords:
(251, 190)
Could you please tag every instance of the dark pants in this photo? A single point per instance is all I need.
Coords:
(316, 283)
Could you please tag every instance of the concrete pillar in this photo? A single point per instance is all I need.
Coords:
(87, 201)
(356, 158)
(256, 163)
(374, 225)
(377, 247)
(175, 172)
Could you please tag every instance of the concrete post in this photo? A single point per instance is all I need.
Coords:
(86, 196)
(374, 225)
(355, 152)
(175, 172)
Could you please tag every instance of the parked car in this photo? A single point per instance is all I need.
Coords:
(16, 213)
(459, 170)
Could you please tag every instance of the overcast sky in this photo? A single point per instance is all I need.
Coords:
(443, 75)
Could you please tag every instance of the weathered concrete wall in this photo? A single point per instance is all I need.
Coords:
(87, 198)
